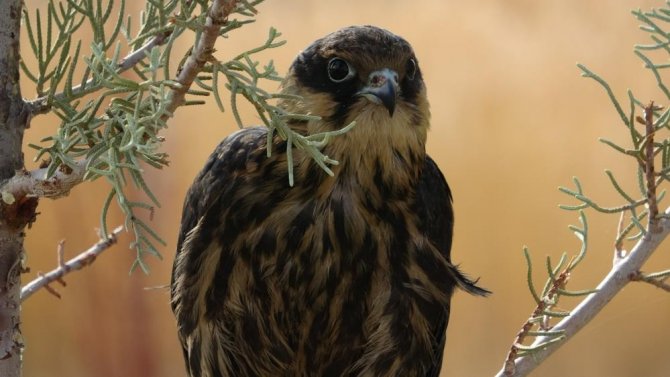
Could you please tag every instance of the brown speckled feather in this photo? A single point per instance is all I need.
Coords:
(347, 275)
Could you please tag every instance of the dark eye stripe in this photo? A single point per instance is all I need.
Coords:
(311, 70)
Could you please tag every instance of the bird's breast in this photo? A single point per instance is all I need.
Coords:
(319, 277)
(325, 267)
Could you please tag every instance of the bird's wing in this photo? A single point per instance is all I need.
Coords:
(436, 215)
(207, 199)
(231, 155)
(434, 207)
(222, 173)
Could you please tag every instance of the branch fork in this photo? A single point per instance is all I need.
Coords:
(626, 267)
(36, 184)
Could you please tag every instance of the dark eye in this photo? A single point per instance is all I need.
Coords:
(339, 70)
(410, 70)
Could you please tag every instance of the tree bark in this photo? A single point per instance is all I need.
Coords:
(15, 212)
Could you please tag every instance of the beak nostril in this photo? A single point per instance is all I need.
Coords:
(382, 89)
(377, 80)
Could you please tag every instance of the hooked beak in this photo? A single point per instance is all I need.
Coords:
(382, 89)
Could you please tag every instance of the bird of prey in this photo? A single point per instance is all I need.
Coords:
(344, 275)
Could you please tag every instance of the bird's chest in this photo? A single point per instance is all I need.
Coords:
(341, 265)
(326, 276)
(338, 252)
(326, 247)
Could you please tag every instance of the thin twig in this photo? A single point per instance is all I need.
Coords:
(657, 282)
(619, 252)
(542, 305)
(61, 253)
(77, 263)
(649, 166)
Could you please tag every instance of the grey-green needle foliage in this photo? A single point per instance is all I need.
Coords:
(633, 209)
(112, 105)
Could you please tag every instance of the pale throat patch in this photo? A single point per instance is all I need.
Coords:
(376, 134)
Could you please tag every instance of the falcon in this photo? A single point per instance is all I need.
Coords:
(343, 275)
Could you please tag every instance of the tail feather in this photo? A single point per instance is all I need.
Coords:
(468, 284)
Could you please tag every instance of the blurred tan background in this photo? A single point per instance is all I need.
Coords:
(512, 121)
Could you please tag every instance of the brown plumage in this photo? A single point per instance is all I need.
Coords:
(348, 275)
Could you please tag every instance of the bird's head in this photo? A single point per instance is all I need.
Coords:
(364, 74)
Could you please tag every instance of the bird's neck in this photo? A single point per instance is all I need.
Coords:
(379, 153)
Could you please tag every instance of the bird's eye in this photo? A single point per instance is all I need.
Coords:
(410, 70)
(339, 70)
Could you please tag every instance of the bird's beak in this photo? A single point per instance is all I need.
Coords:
(382, 89)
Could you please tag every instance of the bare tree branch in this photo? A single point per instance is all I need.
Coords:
(77, 263)
(15, 217)
(217, 16)
(618, 277)
(35, 184)
(559, 283)
(626, 268)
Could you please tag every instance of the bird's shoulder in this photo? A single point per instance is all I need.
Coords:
(238, 153)
(235, 152)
